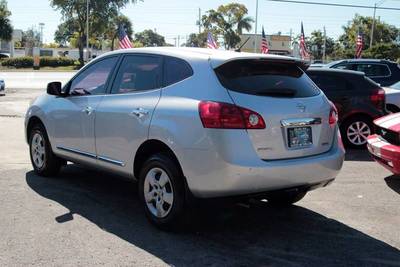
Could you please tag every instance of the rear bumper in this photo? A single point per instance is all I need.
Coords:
(210, 176)
(384, 153)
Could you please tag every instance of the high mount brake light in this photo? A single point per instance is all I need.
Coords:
(229, 116)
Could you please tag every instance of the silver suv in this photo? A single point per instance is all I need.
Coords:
(191, 123)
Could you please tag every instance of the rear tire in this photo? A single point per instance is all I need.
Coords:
(356, 130)
(286, 199)
(43, 160)
(162, 191)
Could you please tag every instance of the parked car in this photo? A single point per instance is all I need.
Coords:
(384, 146)
(358, 99)
(384, 72)
(393, 97)
(2, 87)
(191, 122)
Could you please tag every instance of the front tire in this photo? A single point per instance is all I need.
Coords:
(43, 160)
(356, 130)
(162, 191)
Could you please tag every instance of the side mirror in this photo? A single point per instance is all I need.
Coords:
(54, 88)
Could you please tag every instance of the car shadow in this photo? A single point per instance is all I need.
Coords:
(393, 182)
(358, 155)
(228, 235)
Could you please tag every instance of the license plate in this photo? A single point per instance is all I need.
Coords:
(299, 137)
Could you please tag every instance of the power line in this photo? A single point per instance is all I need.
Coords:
(333, 4)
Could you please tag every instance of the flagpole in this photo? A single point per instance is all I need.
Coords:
(255, 29)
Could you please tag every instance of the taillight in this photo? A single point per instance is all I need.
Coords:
(378, 98)
(333, 114)
(229, 116)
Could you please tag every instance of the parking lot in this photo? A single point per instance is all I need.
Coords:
(86, 218)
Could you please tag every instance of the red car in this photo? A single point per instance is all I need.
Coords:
(384, 146)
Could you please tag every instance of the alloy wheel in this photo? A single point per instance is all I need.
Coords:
(358, 132)
(158, 192)
(38, 150)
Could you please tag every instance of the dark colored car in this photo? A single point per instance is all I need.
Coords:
(384, 72)
(358, 99)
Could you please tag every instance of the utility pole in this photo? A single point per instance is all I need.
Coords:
(199, 20)
(371, 39)
(87, 30)
(255, 29)
(324, 50)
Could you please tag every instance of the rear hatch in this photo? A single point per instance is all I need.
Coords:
(295, 111)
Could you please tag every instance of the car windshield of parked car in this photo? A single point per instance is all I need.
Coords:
(138, 73)
(266, 78)
(92, 81)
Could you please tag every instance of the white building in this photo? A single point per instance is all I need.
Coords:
(277, 44)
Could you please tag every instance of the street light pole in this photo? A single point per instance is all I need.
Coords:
(255, 29)
(87, 29)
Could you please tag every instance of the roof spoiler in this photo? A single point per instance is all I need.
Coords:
(302, 64)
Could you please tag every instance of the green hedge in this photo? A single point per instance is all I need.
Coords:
(27, 62)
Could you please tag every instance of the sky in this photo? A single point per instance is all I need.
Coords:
(175, 18)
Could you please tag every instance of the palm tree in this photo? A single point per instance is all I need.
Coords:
(244, 23)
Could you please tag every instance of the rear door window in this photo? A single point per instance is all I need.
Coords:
(138, 73)
(266, 78)
(373, 70)
(330, 83)
(176, 70)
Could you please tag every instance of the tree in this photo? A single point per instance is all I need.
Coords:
(101, 12)
(6, 28)
(383, 33)
(30, 38)
(115, 23)
(316, 44)
(229, 21)
(196, 40)
(150, 38)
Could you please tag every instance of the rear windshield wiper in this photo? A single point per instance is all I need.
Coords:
(277, 92)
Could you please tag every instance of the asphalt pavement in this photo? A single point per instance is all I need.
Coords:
(88, 218)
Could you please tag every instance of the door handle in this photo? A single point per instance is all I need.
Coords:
(140, 112)
(88, 110)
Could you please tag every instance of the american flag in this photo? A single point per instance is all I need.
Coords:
(124, 42)
(303, 49)
(264, 43)
(211, 42)
(359, 45)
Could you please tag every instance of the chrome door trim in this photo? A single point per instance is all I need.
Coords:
(93, 156)
(112, 161)
(76, 151)
(300, 122)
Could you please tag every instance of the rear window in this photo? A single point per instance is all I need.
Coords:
(266, 78)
